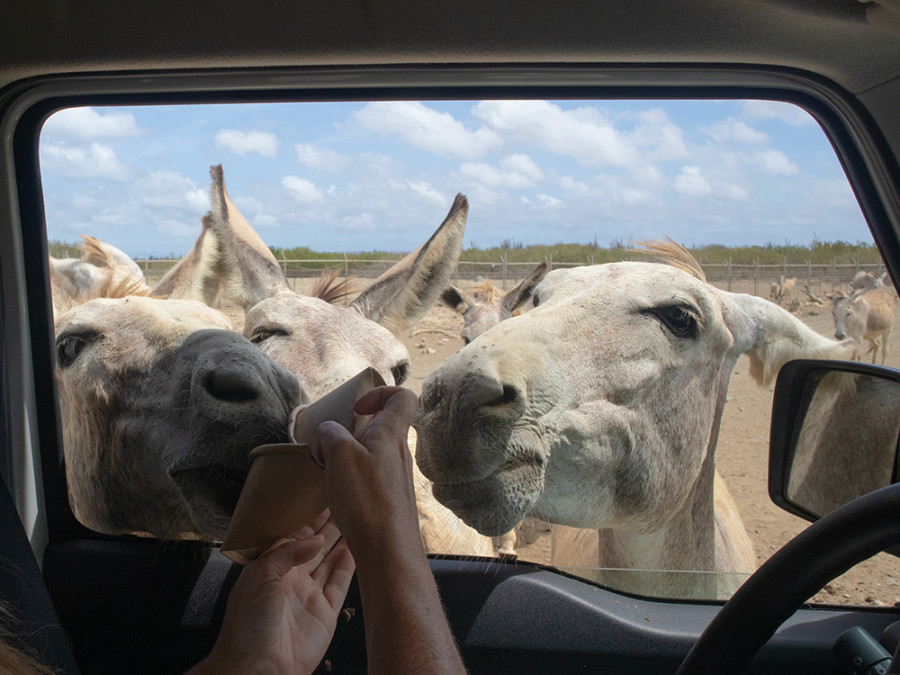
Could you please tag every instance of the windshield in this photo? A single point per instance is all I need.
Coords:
(632, 403)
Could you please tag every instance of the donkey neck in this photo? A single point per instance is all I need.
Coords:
(685, 544)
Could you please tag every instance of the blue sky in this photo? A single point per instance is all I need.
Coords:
(381, 175)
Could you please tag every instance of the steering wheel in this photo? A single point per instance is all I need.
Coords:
(823, 551)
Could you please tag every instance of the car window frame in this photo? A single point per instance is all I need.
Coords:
(857, 142)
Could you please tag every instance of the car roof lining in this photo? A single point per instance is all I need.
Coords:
(812, 35)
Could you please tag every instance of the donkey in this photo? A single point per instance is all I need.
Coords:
(865, 314)
(485, 307)
(103, 270)
(321, 343)
(161, 404)
(600, 408)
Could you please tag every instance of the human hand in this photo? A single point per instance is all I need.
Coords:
(369, 483)
(282, 611)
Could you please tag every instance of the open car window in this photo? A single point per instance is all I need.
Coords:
(623, 376)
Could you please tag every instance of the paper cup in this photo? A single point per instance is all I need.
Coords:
(337, 405)
(285, 488)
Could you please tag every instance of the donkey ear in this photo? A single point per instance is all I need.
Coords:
(523, 290)
(409, 288)
(456, 299)
(195, 276)
(247, 270)
(771, 336)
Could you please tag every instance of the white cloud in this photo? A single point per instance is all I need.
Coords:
(176, 228)
(426, 190)
(302, 190)
(89, 124)
(265, 221)
(95, 161)
(242, 142)
(549, 201)
(731, 191)
(169, 190)
(320, 159)
(690, 182)
(661, 135)
(515, 171)
(735, 130)
(785, 112)
(633, 195)
(584, 133)
(569, 183)
(776, 162)
(427, 129)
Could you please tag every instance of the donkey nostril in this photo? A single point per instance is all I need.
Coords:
(229, 386)
(509, 395)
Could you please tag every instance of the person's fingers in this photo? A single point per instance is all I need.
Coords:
(282, 558)
(330, 535)
(311, 528)
(399, 399)
(335, 578)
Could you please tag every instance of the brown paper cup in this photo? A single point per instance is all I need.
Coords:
(285, 488)
(337, 405)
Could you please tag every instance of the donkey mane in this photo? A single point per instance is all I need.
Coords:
(121, 288)
(672, 253)
(486, 291)
(327, 287)
(94, 253)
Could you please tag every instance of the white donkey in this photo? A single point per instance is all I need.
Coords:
(486, 307)
(600, 408)
(102, 271)
(325, 344)
(482, 310)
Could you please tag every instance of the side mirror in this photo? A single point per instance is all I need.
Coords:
(834, 436)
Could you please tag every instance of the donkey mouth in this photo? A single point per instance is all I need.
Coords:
(211, 490)
(495, 504)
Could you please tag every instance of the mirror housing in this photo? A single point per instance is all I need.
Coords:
(834, 434)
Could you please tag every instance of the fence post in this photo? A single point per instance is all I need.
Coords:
(346, 266)
(550, 263)
(834, 280)
(729, 274)
(756, 276)
(808, 276)
(504, 271)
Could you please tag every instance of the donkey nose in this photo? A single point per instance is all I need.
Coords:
(839, 334)
(486, 391)
(230, 385)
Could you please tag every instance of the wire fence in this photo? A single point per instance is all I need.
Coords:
(754, 278)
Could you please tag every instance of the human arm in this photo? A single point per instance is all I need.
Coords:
(282, 611)
(370, 492)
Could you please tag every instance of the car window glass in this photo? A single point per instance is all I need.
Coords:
(752, 189)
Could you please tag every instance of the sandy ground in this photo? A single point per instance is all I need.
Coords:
(742, 459)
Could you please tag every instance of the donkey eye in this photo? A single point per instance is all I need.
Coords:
(262, 334)
(535, 301)
(68, 347)
(400, 372)
(678, 319)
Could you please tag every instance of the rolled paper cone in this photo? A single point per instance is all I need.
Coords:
(285, 488)
(337, 405)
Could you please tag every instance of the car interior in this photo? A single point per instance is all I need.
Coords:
(98, 603)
